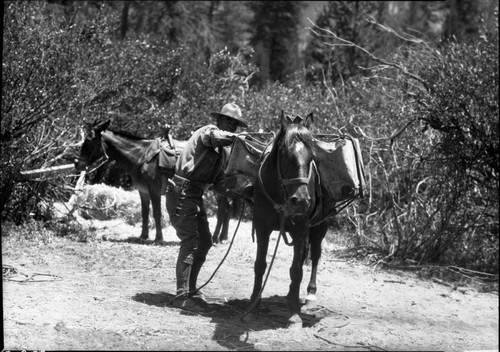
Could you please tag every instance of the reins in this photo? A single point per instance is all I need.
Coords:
(106, 159)
(257, 299)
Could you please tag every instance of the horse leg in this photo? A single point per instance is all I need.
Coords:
(316, 236)
(145, 199)
(259, 270)
(225, 225)
(296, 274)
(156, 203)
(222, 214)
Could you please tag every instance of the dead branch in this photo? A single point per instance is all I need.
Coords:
(71, 204)
(397, 134)
(55, 170)
(67, 149)
(345, 42)
(452, 267)
(395, 282)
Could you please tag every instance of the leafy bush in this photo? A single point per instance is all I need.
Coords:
(432, 156)
(56, 75)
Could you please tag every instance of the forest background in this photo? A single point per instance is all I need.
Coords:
(416, 82)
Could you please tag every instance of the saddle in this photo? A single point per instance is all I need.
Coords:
(167, 157)
(162, 154)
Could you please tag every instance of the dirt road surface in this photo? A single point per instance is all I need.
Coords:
(109, 294)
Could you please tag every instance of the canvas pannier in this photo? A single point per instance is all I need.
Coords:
(339, 162)
(243, 163)
(340, 166)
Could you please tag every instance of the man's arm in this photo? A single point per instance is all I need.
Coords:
(215, 138)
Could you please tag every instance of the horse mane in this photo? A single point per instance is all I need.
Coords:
(95, 125)
(294, 132)
(126, 134)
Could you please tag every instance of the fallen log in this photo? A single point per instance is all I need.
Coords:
(61, 169)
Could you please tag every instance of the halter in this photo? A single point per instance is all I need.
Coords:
(94, 150)
(284, 182)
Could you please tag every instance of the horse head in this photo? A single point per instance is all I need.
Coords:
(91, 149)
(290, 171)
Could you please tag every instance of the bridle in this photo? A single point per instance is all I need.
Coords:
(94, 152)
(280, 206)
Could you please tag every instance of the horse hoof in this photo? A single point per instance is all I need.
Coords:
(294, 322)
(137, 240)
(311, 301)
(249, 317)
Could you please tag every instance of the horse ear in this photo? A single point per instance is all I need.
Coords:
(102, 126)
(87, 127)
(298, 119)
(309, 120)
(283, 119)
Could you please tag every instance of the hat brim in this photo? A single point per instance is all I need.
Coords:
(241, 123)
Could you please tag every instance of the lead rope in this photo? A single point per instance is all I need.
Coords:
(222, 261)
(98, 166)
(257, 299)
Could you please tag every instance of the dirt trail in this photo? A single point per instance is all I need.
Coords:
(112, 295)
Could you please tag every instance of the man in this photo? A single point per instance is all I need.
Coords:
(199, 164)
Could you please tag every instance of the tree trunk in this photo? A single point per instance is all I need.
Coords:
(124, 21)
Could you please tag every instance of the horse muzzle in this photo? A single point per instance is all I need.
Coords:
(299, 202)
(80, 166)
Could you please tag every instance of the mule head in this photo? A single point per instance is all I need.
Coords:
(91, 149)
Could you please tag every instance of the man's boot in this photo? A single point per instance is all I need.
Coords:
(197, 295)
(200, 255)
(183, 273)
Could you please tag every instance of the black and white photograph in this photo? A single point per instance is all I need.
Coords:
(250, 175)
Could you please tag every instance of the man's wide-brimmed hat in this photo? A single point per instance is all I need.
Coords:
(232, 111)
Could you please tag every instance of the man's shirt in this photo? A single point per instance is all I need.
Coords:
(203, 156)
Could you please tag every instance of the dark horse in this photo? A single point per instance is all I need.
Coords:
(288, 197)
(129, 152)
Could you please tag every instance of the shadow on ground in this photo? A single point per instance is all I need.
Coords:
(230, 331)
(138, 240)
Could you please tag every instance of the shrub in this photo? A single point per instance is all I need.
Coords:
(432, 155)
(102, 202)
